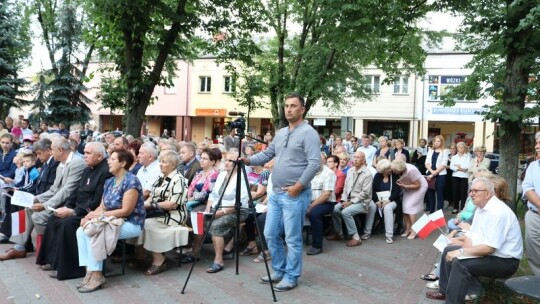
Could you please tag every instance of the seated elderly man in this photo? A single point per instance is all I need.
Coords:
(356, 199)
(492, 248)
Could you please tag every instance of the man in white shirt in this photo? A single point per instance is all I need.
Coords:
(492, 248)
(531, 193)
(149, 173)
(368, 149)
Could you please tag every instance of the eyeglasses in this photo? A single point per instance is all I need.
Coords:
(204, 158)
(286, 140)
(474, 191)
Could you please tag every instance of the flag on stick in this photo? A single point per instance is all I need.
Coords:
(18, 222)
(197, 222)
(423, 227)
(438, 218)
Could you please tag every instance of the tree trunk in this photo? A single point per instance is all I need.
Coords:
(509, 157)
(135, 116)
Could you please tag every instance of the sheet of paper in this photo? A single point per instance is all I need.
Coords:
(23, 199)
(441, 242)
(260, 208)
(383, 195)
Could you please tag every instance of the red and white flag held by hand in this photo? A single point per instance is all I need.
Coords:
(18, 222)
(423, 227)
(438, 218)
(197, 222)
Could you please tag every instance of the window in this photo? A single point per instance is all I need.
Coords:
(401, 85)
(373, 84)
(206, 84)
(440, 85)
(228, 84)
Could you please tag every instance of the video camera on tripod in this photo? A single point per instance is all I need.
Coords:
(239, 124)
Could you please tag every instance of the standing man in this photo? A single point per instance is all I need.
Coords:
(297, 152)
(25, 128)
(231, 140)
(62, 130)
(348, 144)
(531, 192)
(368, 149)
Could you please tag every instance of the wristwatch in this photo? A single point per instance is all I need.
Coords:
(462, 252)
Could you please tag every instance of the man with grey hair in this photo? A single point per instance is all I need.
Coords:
(68, 175)
(149, 173)
(58, 250)
(492, 248)
(531, 193)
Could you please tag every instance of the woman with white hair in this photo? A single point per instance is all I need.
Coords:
(386, 195)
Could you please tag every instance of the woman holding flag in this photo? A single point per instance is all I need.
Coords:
(414, 187)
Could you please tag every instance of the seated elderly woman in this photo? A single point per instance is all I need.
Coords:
(225, 218)
(386, 195)
(168, 194)
(122, 199)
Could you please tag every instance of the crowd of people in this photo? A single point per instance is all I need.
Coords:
(143, 190)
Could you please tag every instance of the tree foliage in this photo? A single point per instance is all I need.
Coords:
(60, 90)
(14, 50)
(504, 37)
(321, 48)
(144, 38)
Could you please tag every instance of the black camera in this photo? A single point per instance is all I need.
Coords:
(239, 124)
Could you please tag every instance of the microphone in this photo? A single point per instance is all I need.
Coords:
(236, 113)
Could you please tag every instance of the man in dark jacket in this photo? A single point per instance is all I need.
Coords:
(59, 246)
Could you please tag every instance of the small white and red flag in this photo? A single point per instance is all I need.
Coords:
(18, 222)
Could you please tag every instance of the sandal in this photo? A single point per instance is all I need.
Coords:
(215, 267)
(249, 251)
(154, 269)
(260, 258)
(354, 243)
(429, 277)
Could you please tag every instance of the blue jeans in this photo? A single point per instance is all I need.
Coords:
(86, 255)
(285, 216)
(437, 194)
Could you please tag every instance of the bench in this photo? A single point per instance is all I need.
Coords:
(527, 286)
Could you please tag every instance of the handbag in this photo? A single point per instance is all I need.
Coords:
(431, 183)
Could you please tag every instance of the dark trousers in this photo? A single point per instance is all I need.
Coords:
(437, 194)
(456, 276)
(316, 220)
(459, 192)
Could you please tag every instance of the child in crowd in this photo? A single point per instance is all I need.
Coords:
(31, 173)
(19, 172)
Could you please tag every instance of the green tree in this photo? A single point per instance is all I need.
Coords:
(63, 27)
(504, 37)
(144, 38)
(14, 50)
(322, 46)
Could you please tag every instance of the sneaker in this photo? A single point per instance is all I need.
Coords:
(314, 251)
(366, 236)
(471, 297)
(389, 240)
(285, 286)
(275, 278)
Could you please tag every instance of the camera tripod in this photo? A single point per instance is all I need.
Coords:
(240, 166)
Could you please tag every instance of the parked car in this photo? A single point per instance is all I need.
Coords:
(494, 166)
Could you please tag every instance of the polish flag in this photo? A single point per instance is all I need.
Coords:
(423, 227)
(438, 218)
(197, 222)
(18, 222)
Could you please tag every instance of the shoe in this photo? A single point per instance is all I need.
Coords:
(389, 240)
(250, 251)
(429, 277)
(260, 258)
(274, 277)
(433, 285)
(53, 274)
(46, 267)
(471, 297)
(335, 237)
(154, 269)
(285, 286)
(314, 251)
(366, 236)
(354, 243)
(4, 239)
(228, 255)
(411, 236)
(92, 285)
(84, 281)
(188, 259)
(215, 267)
(12, 254)
(406, 233)
(435, 295)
